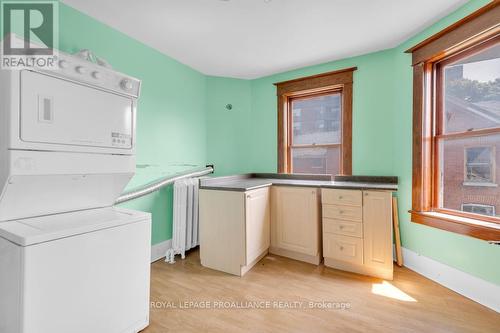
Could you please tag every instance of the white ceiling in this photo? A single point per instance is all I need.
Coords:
(254, 38)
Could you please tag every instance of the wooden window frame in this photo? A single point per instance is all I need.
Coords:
(470, 34)
(340, 81)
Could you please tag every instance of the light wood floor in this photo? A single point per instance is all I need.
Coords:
(410, 303)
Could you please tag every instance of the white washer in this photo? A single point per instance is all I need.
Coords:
(76, 272)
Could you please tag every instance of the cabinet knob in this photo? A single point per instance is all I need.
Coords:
(341, 197)
(248, 196)
(341, 248)
(341, 227)
(341, 211)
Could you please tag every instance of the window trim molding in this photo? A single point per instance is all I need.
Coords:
(340, 80)
(480, 26)
(487, 231)
(460, 35)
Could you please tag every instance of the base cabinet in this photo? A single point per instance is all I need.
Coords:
(357, 231)
(234, 229)
(295, 227)
(351, 229)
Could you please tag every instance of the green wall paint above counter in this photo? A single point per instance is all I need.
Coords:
(182, 119)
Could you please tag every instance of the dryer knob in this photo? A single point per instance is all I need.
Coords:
(96, 75)
(126, 84)
(80, 70)
(63, 64)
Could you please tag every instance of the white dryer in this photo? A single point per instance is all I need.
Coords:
(69, 260)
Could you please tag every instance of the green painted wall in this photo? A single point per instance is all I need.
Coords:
(171, 113)
(382, 138)
(228, 142)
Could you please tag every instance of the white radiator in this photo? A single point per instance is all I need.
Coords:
(185, 219)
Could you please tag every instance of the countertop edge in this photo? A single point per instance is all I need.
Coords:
(364, 186)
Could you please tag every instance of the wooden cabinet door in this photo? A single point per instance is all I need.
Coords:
(343, 248)
(257, 210)
(222, 230)
(295, 218)
(377, 229)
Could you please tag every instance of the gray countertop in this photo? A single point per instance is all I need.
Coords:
(249, 182)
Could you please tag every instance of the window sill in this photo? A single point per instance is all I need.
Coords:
(488, 231)
(480, 184)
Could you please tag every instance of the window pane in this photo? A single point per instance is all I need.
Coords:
(316, 120)
(472, 92)
(479, 154)
(479, 209)
(316, 160)
(479, 163)
(469, 169)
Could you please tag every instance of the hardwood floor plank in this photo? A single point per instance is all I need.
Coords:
(274, 279)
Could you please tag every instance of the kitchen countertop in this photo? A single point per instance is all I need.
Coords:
(249, 182)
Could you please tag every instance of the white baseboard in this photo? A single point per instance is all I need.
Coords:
(478, 290)
(159, 250)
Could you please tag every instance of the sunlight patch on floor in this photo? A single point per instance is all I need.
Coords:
(388, 290)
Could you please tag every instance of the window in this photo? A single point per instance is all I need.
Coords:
(479, 209)
(315, 148)
(479, 165)
(314, 124)
(456, 127)
(467, 126)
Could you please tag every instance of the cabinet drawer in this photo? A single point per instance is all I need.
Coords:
(341, 197)
(344, 248)
(340, 227)
(351, 213)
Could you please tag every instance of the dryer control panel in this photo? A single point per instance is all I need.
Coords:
(79, 70)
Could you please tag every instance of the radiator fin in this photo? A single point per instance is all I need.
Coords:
(185, 218)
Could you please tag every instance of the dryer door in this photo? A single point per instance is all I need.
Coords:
(59, 112)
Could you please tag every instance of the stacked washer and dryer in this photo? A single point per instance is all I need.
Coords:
(70, 262)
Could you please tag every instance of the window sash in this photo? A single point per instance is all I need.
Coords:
(439, 87)
(435, 100)
(291, 118)
(291, 145)
(315, 148)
